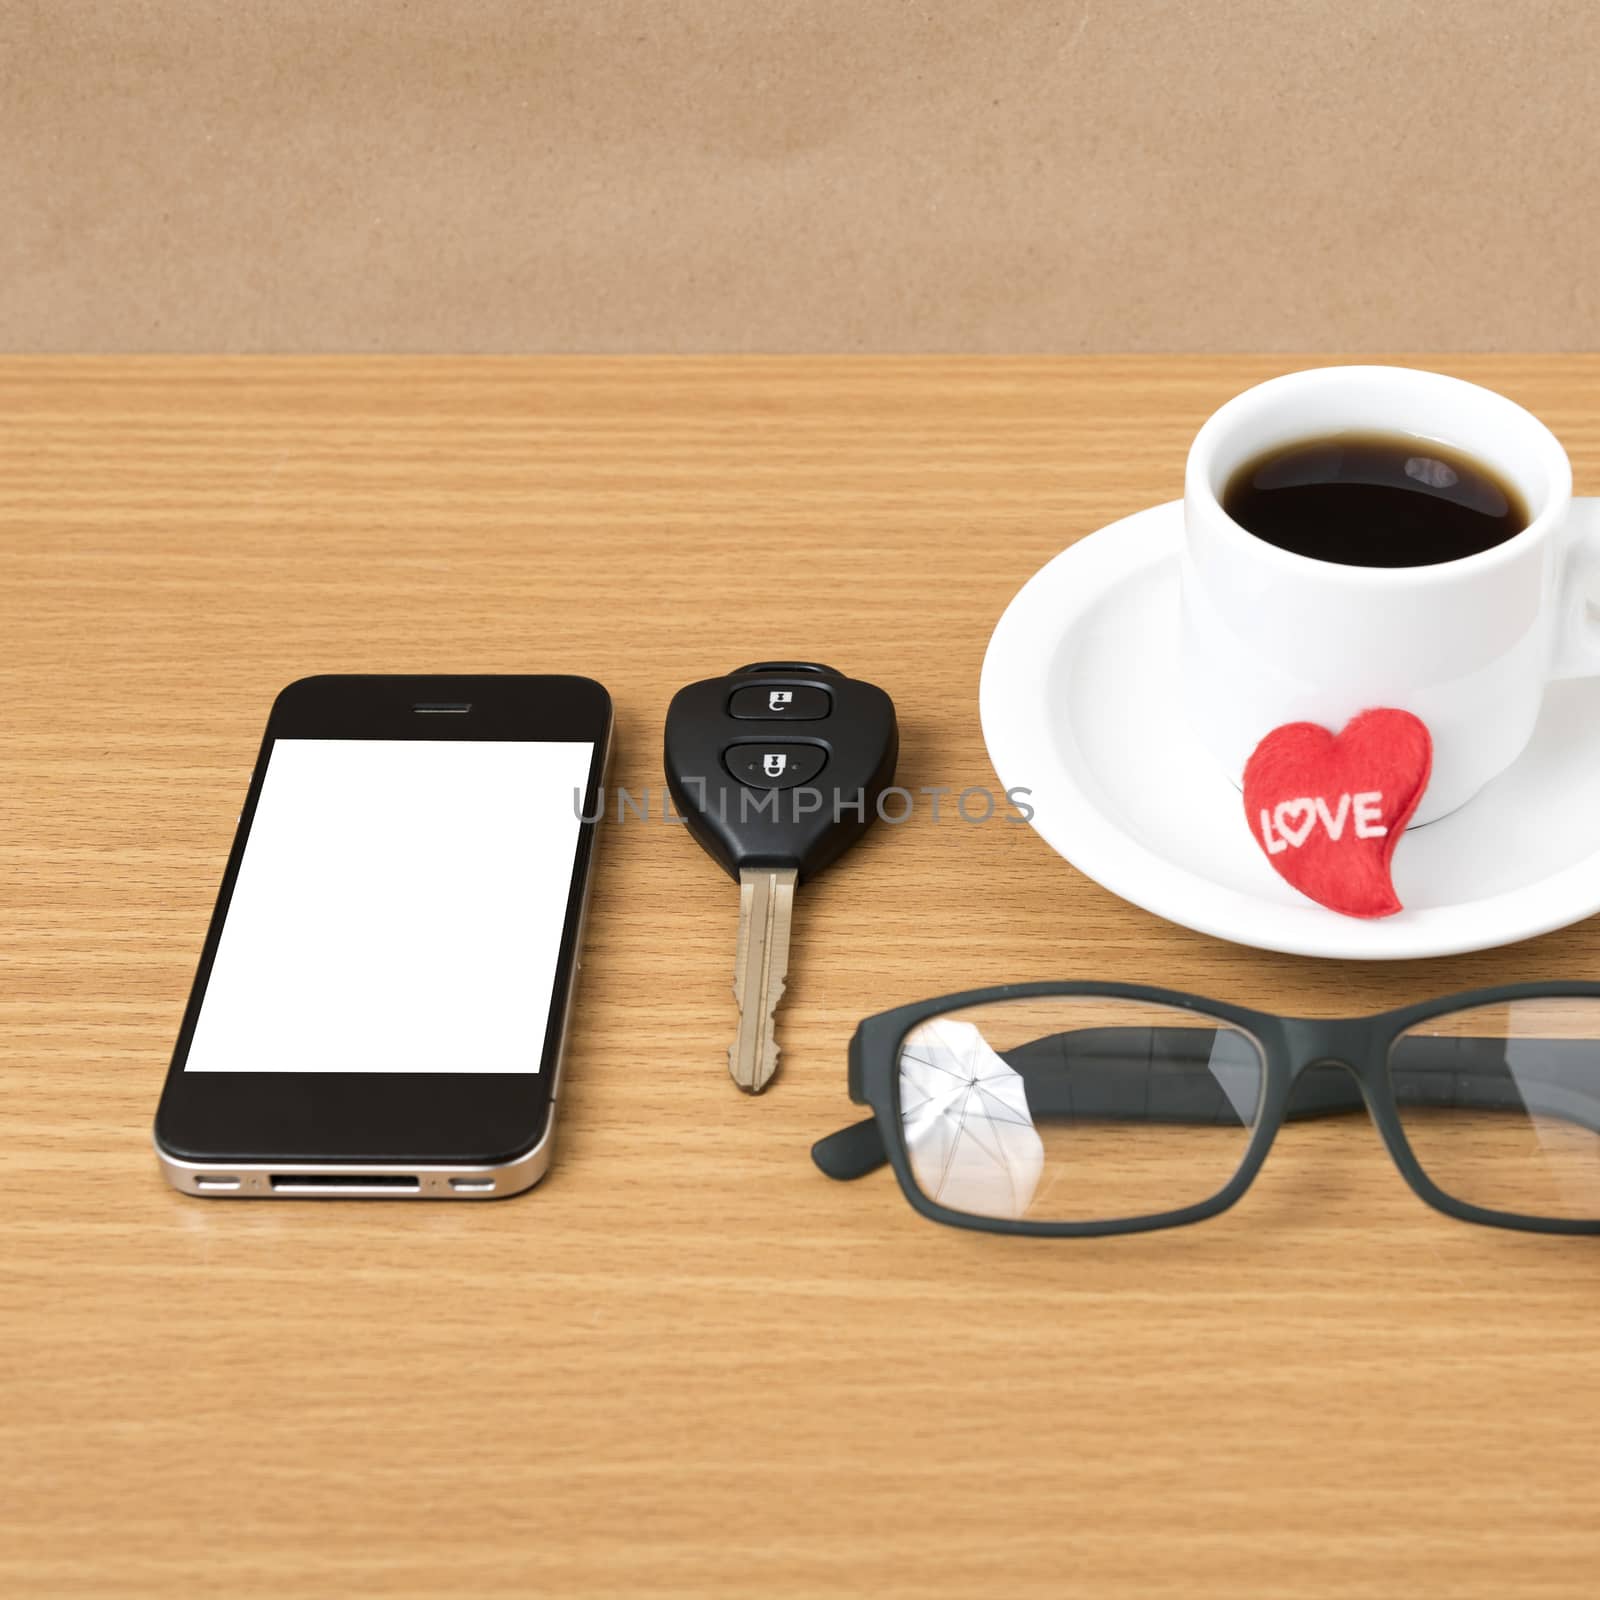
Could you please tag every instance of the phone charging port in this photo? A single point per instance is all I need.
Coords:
(344, 1183)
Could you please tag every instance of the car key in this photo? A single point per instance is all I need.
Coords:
(777, 769)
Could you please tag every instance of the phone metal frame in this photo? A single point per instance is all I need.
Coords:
(222, 1177)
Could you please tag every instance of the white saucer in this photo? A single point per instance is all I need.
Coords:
(1078, 705)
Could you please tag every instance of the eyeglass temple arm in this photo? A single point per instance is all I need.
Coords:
(852, 1152)
(1434, 1073)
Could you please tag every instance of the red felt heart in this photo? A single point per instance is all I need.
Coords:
(1328, 809)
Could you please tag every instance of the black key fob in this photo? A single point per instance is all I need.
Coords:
(779, 764)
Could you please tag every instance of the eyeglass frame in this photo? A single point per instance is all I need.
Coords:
(1288, 1046)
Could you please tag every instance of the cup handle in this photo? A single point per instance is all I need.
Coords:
(1578, 637)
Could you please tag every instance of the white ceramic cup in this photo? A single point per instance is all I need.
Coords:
(1271, 637)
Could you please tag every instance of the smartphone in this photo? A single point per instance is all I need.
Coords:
(382, 999)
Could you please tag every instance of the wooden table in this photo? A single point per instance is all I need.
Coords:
(687, 1364)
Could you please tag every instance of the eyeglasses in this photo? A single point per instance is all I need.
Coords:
(1082, 1108)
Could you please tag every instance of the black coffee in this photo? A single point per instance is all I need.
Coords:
(1374, 500)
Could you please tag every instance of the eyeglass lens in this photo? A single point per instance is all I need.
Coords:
(1501, 1104)
(1076, 1109)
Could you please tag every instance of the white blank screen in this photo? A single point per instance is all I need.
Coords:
(399, 908)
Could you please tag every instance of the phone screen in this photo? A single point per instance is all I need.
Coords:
(399, 907)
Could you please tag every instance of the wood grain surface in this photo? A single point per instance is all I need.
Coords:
(686, 1364)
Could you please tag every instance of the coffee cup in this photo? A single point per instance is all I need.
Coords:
(1271, 635)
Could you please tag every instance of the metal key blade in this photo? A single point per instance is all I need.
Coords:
(766, 908)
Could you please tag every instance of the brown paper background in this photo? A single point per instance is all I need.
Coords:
(486, 175)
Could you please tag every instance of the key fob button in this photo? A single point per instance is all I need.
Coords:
(774, 766)
(780, 702)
